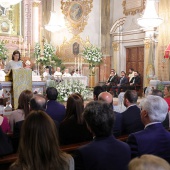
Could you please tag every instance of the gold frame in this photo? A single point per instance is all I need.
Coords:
(133, 11)
(65, 51)
(76, 14)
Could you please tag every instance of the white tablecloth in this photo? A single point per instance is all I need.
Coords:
(82, 79)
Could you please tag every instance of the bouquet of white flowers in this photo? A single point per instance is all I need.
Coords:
(92, 55)
(67, 88)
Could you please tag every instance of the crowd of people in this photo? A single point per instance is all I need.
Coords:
(117, 84)
(41, 124)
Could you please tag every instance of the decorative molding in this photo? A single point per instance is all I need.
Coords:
(131, 7)
(115, 46)
(36, 4)
(76, 14)
(147, 43)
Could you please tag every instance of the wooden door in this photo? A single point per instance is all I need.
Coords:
(135, 59)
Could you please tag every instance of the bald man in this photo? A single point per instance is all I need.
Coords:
(108, 98)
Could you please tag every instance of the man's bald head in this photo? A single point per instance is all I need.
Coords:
(38, 102)
(106, 97)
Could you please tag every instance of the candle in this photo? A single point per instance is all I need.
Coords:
(78, 63)
(29, 50)
(75, 64)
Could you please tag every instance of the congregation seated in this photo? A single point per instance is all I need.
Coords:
(104, 152)
(39, 146)
(148, 162)
(73, 128)
(131, 120)
(54, 109)
(154, 139)
(108, 98)
(122, 83)
(96, 91)
(66, 73)
(112, 81)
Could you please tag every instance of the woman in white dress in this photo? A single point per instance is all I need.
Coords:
(15, 63)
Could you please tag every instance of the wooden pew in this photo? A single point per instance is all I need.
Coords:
(7, 160)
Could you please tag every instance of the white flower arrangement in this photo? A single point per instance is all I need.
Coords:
(27, 63)
(92, 55)
(67, 88)
(48, 54)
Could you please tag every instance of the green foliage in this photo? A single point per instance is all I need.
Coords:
(3, 51)
(160, 86)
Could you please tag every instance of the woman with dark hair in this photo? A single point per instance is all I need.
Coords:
(23, 108)
(15, 62)
(39, 147)
(73, 129)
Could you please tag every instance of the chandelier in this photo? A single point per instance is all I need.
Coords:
(52, 26)
(150, 18)
(7, 3)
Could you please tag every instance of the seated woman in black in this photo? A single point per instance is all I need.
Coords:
(73, 129)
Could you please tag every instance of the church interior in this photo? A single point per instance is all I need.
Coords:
(81, 43)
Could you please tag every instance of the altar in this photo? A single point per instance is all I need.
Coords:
(72, 79)
(37, 87)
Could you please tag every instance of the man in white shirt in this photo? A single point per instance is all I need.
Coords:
(58, 74)
(66, 73)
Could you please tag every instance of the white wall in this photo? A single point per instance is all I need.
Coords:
(92, 29)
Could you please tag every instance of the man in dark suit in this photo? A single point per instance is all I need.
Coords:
(112, 81)
(104, 152)
(135, 82)
(154, 139)
(54, 109)
(131, 120)
(108, 98)
(121, 85)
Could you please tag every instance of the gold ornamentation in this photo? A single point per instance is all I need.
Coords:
(147, 43)
(65, 51)
(131, 7)
(36, 4)
(115, 46)
(76, 14)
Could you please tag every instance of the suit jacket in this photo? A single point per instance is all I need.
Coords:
(154, 139)
(55, 110)
(135, 80)
(123, 81)
(117, 127)
(131, 120)
(113, 80)
(103, 154)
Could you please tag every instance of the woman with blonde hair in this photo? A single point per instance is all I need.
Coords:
(39, 146)
(167, 95)
(148, 162)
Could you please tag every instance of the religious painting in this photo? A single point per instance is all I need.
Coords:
(5, 26)
(75, 48)
(76, 14)
(131, 7)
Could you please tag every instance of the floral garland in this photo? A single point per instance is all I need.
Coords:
(92, 55)
(3, 51)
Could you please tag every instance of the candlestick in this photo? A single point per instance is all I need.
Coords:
(75, 64)
(29, 50)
